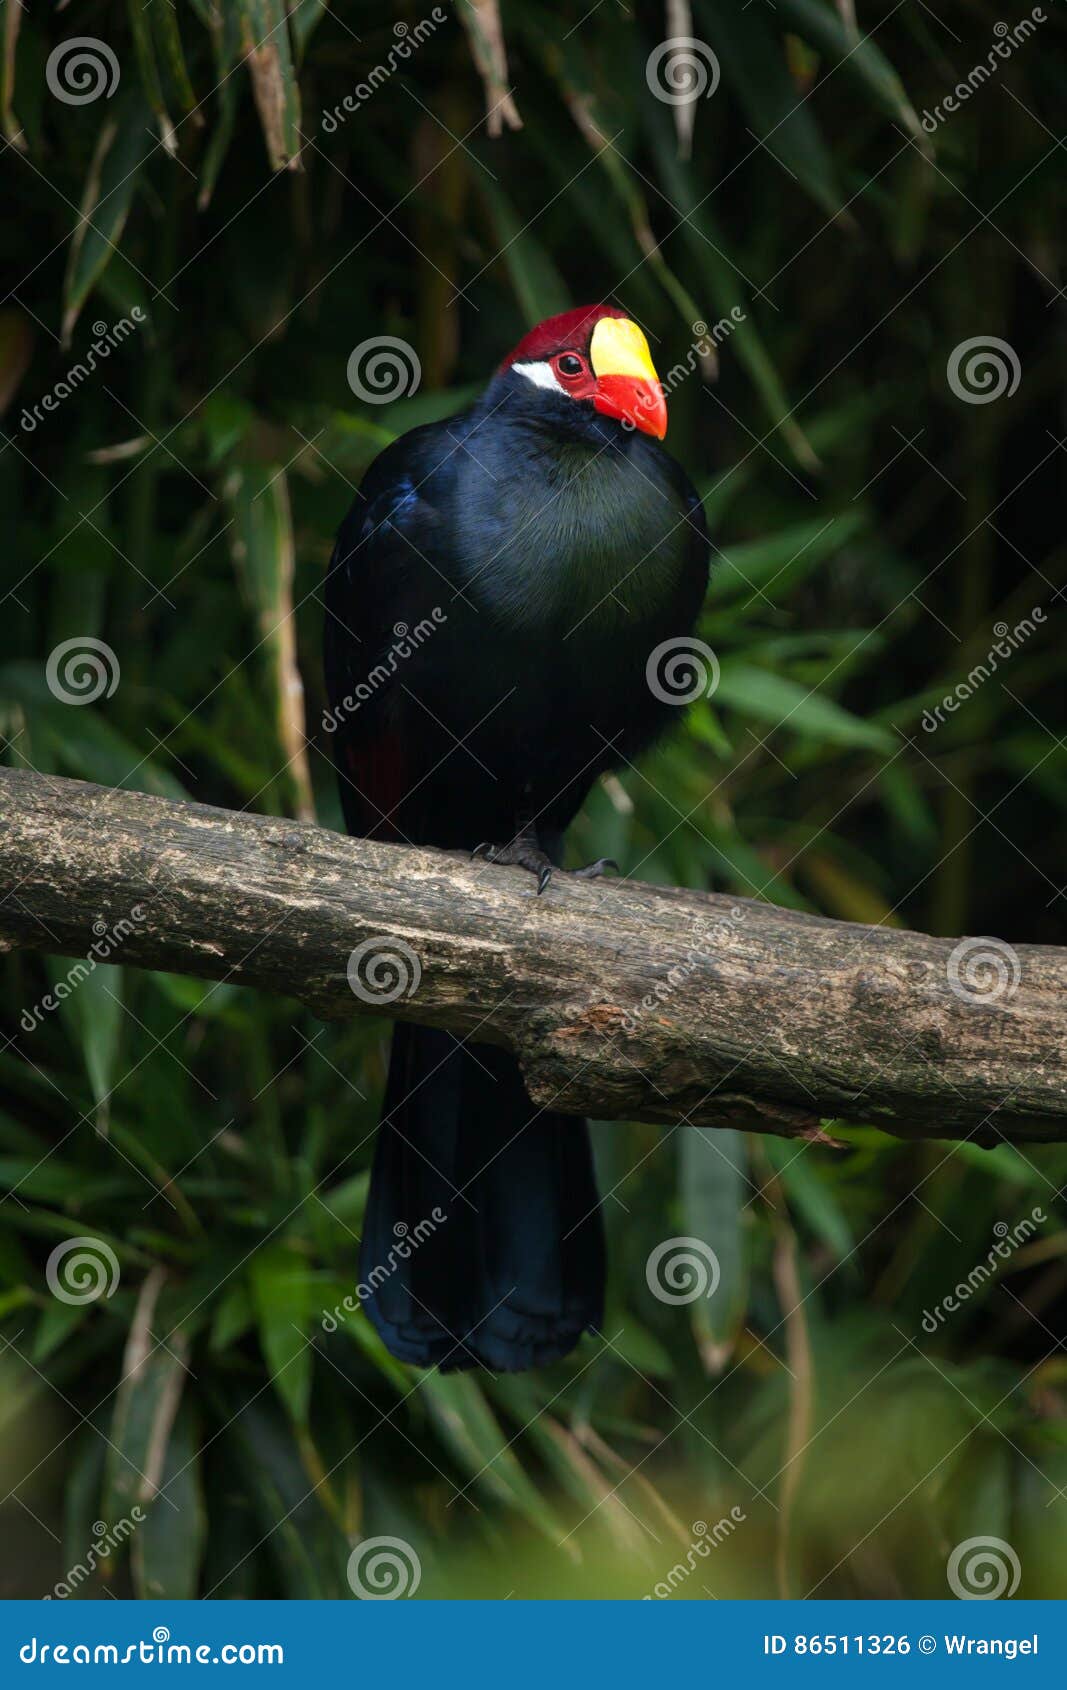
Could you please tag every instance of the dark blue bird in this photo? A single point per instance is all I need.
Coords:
(494, 597)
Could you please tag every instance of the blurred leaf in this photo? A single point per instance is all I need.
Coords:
(537, 282)
(728, 289)
(225, 27)
(265, 42)
(121, 150)
(171, 54)
(777, 561)
(234, 1314)
(169, 1542)
(262, 540)
(806, 1177)
(304, 19)
(302, 1539)
(283, 1299)
(57, 1322)
(8, 121)
(819, 23)
(467, 1424)
(141, 22)
(843, 894)
(754, 61)
(780, 701)
(154, 1375)
(481, 21)
(92, 1009)
(714, 1191)
(16, 350)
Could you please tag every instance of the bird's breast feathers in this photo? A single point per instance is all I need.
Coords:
(581, 536)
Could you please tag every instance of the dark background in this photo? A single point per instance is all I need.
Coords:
(872, 529)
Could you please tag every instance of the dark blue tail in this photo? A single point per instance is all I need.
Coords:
(482, 1242)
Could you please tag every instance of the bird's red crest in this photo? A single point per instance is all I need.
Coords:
(569, 328)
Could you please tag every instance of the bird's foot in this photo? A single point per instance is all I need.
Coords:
(522, 853)
(593, 871)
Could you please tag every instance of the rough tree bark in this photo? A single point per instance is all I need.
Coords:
(620, 999)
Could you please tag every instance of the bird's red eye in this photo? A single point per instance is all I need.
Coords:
(570, 366)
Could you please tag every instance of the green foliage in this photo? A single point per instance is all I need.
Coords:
(178, 503)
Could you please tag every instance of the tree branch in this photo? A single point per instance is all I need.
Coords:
(620, 999)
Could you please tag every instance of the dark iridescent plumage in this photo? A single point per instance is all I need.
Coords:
(535, 553)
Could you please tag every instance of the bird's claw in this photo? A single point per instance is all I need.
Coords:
(593, 871)
(520, 854)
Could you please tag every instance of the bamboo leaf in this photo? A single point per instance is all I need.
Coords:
(91, 1007)
(308, 1549)
(304, 18)
(169, 1543)
(729, 290)
(538, 284)
(262, 541)
(777, 561)
(169, 42)
(284, 1303)
(144, 47)
(809, 1187)
(265, 41)
(8, 121)
(470, 1429)
(862, 60)
(123, 146)
(154, 1375)
(225, 27)
(714, 1191)
(753, 59)
(485, 32)
(785, 703)
(16, 350)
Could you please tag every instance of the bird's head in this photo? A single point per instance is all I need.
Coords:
(598, 359)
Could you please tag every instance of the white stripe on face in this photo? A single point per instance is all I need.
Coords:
(542, 375)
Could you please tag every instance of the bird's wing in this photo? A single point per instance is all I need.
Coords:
(385, 574)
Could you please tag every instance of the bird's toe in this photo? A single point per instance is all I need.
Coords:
(593, 871)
